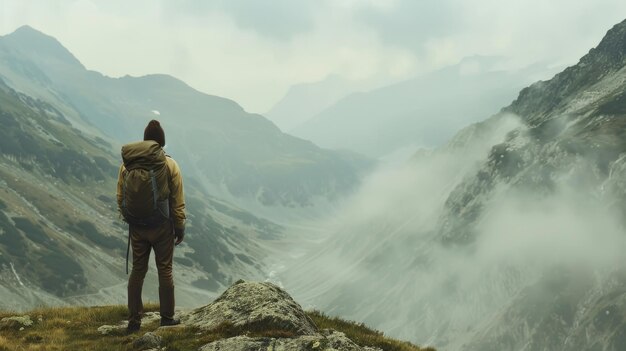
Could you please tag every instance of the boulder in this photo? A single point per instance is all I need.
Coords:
(262, 316)
(147, 341)
(15, 322)
(253, 307)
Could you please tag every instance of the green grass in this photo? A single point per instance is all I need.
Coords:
(362, 334)
(69, 328)
(75, 328)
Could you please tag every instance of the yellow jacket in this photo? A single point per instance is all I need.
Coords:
(177, 196)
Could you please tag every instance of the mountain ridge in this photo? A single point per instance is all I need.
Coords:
(234, 154)
(28, 38)
(416, 112)
(305, 100)
(608, 56)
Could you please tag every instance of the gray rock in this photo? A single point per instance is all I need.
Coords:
(336, 341)
(147, 341)
(253, 306)
(250, 307)
(15, 322)
(339, 341)
(108, 329)
(245, 343)
(147, 318)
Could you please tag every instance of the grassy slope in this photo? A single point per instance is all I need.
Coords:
(53, 177)
(57, 186)
(75, 328)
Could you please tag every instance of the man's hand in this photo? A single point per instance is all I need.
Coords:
(179, 234)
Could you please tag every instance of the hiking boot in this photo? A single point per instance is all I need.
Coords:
(167, 322)
(133, 327)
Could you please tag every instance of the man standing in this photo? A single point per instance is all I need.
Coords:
(151, 200)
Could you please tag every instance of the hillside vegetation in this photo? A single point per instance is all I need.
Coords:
(58, 215)
(76, 328)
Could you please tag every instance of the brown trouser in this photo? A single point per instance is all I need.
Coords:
(143, 240)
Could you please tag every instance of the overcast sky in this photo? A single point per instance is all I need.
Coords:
(253, 51)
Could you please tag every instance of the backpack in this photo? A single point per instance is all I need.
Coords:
(145, 184)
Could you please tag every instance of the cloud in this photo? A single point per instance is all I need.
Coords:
(412, 23)
(253, 51)
(443, 32)
(278, 19)
(218, 49)
(383, 246)
(563, 228)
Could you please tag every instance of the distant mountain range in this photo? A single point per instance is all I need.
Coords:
(424, 111)
(232, 153)
(304, 101)
(509, 237)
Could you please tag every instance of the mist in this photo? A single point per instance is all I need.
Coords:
(385, 258)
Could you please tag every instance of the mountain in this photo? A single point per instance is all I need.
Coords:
(61, 239)
(509, 237)
(304, 101)
(234, 154)
(417, 112)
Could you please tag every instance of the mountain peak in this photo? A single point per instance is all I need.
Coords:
(27, 30)
(27, 33)
(39, 46)
(543, 97)
(612, 48)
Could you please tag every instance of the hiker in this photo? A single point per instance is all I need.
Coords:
(151, 200)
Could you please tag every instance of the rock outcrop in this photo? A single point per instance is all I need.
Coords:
(255, 307)
(16, 322)
(327, 340)
(259, 312)
(149, 341)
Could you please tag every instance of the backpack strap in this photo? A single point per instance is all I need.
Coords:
(124, 189)
(155, 192)
(127, 250)
(169, 170)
